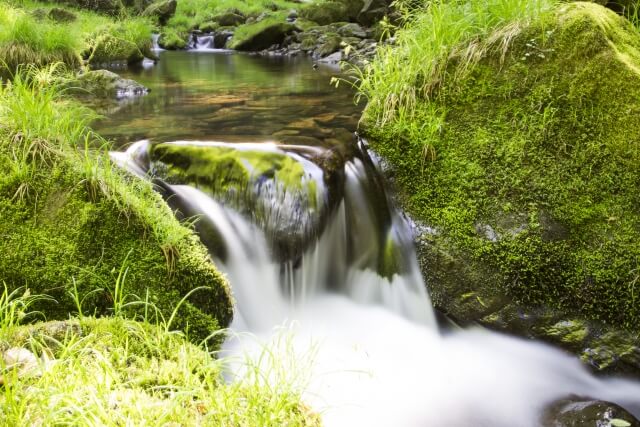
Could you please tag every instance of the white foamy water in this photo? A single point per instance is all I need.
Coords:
(365, 348)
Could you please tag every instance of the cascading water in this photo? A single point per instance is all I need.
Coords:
(354, 302)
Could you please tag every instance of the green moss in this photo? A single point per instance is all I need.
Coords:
(328, 12)
(261, 35)
(172, 39)
(71, 222)
(108, 49)
(539, 143)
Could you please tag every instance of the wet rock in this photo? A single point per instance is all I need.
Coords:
(281, 192)
(61, 15)
(162, 10)
(109, 49)
(262, 37)
(105, 84)
(333, 59)
(352, 30)
(577, 411)
(221, 38)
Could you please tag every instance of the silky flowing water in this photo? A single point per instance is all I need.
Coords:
(362, 343)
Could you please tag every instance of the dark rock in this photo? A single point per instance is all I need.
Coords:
(221, 38)
(329, 44)
(61, 15)
(162, 10)
(577, 411)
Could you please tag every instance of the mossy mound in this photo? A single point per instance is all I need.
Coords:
(328, 12)
(77, 229)
(261, 35)
(108, 49)
(107, 7)
(525, 165)
(172, 39)
(161, 10)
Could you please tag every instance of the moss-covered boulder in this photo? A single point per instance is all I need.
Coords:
(108, 7)
(108, 49)
(162, 10)
(328, 12)
(104, 84)
(576, 411)
(275, 189)
(229, 18)
(261, 35)
(172, 39)
(59, 14)
(77, 229)
(522, 166)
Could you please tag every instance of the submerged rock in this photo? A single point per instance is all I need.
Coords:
(105, 84)
(527, 187)
(581, 411)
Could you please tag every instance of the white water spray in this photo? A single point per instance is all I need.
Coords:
(378, 359)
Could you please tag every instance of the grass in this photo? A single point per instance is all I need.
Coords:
(495, 114)
(61, 197)
(411, 70)
(27, 39)
(116, 371)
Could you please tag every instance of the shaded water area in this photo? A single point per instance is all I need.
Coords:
(234, 97)
(342, 307)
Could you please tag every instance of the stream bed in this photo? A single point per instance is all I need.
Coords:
(346, 317)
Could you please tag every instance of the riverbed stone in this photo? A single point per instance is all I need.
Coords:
(564, 235)
(105, 84)
(576, 411)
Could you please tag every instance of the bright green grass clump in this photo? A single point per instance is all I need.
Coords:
(28, 36)
(114, 371)
(71, 220)
(512, 128)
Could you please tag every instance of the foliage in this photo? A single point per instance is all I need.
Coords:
(498, 116)
(115, 371)
(69, 216)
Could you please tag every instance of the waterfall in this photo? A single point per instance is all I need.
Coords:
(358, 320)
(154, 43)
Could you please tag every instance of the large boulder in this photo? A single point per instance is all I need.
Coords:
(162, 10)
(109, 49)
(108, 7)
(578, 411)
(77, 229)
(279, 191)
(328, 12)
(523, 169)
(261, 35)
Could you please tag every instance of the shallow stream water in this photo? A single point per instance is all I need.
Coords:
(363, 345)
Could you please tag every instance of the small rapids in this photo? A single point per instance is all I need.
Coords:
(352, 322)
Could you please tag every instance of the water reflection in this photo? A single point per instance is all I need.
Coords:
(234, 97)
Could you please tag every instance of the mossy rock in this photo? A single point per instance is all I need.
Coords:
(78, 228)
(109, 49)
(230, 18)
(576, 411)
(107, 7)
(61, 15)
(171, 39)
(328, 12)
(270, 187)
(530, 182)
(104, 84)
(261, 35)
(208, 27)
(161, 10)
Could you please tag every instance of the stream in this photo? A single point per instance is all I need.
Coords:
(344, 312)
